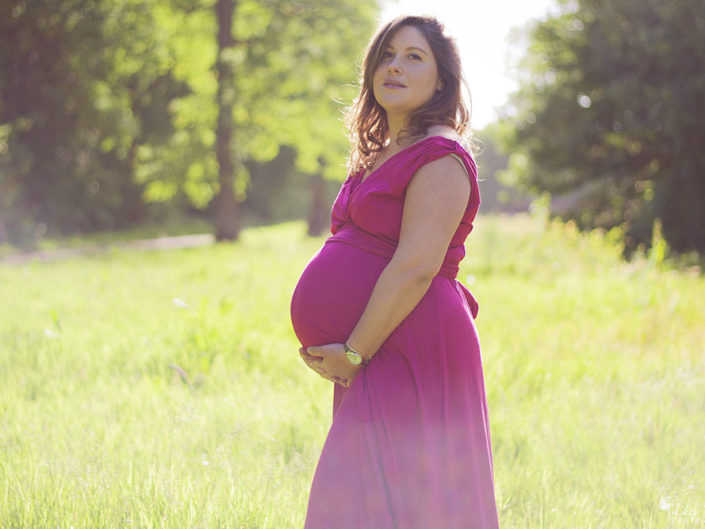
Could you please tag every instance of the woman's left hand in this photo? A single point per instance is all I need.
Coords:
(331, 362)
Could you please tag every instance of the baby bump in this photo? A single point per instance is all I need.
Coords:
(333, 291)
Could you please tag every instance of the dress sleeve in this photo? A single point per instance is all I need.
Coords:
(432, 150)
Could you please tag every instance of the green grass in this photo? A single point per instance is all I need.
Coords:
(164, 389)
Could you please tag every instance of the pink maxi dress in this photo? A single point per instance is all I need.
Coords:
(409, 445)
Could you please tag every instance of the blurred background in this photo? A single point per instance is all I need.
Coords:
(221, 114)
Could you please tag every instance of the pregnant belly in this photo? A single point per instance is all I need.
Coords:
(332, 292)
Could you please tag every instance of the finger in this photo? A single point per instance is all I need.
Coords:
(308, 358)
(314, 351)
(317, 369)
(312, 364)
(321, 372)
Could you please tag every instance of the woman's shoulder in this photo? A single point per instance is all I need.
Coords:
(447, 134)
(443, 131)
(448, 139)
(444, 141)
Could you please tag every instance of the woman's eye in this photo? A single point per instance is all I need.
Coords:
(414, 56)
(387, 55)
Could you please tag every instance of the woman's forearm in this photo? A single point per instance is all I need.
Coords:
(394, 296)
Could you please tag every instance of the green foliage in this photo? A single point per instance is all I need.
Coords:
(610, 110)
(497, 194)
(293, 66)
(84, 84)
(278, 191)
(163, 389)
(108, 106)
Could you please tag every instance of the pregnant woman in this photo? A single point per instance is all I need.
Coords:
(379, 312)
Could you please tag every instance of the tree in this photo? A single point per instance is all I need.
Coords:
(226, 214)
(284, 70)
(610, 108)
(300, 62)
(106, 107)
(82, 87)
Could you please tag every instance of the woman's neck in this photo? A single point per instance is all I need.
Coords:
(396, 125)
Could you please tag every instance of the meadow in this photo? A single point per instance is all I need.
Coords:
(164, 389)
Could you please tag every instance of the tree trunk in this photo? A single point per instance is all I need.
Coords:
(226, 209)
(318, 214)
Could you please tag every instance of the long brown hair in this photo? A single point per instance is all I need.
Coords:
(367, 120)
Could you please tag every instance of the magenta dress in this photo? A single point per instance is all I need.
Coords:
(409, 446)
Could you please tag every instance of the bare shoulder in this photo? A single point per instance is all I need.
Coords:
(445, 132)
(449, 133)
(448, 171)
(448, 168)
(445, 177)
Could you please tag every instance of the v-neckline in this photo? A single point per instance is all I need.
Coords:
(363, 178)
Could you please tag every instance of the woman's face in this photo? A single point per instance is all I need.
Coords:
(407, 77)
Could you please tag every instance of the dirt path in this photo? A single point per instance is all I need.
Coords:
(160, 243)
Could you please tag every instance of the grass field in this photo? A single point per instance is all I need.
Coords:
(164, 389)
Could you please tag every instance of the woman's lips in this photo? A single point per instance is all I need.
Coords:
(393, 86)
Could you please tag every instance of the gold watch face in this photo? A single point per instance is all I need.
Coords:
(354, 358)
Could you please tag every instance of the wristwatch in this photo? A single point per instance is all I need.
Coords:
(353, 356)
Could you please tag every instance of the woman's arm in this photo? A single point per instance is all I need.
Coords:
(435, 202)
